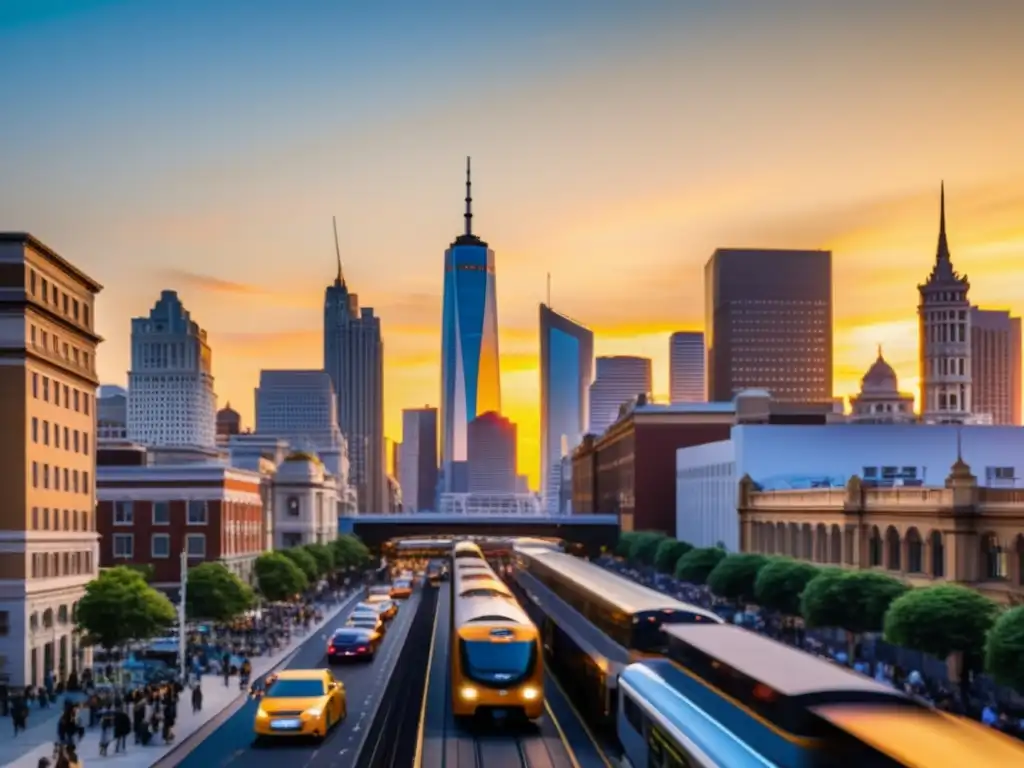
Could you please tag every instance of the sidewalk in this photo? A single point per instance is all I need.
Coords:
(37, 741)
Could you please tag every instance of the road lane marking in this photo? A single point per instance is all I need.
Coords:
(417, 761)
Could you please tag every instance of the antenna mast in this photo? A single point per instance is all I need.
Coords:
(337, 250)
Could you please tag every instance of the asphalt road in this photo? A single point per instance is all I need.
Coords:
(232, 743)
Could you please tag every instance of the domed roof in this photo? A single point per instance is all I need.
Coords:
(302, 456)
(227, 412)
(880, 377)
(299, 466)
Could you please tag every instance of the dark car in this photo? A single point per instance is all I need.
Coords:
(352, 644)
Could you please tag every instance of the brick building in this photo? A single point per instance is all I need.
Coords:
(148, 514)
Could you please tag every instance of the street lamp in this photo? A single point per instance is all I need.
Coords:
(181, 615)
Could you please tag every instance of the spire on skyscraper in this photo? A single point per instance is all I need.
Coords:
(469, 199)
(942, 252)
(340, 279)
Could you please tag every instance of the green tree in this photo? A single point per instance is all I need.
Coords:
(1004, 650)
(735, 576)
(668, 554)
(304, 560)
(645, 547)
(278, 577)
(323, 556)
(350, 552)
(624, 545)
(119, 606)
(145, 570)
(215, 593)
(696, 565)
(855, 601)
(943, 620)
(781, 582)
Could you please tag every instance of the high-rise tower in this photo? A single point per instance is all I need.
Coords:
(944, 315)
(354, 358)
(470, 377)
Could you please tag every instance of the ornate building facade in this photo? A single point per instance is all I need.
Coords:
(880, 400)
(944, 315)
(960, 532)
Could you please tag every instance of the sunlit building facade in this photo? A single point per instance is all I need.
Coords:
(470, 375)
(566, 373)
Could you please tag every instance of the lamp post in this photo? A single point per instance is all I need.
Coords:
(182, 636)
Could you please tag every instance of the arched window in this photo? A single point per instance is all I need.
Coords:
(993, 559)
(820, 543)
(807, 541)
(1019, 552)
(915, 552)
(875, 547)
(835, 542)
(892, 545)
(780, 539)
(794, 540)
(938, 551)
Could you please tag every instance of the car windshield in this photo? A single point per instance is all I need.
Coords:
(363, 621)
(380, 590)
(402, 584)
(295, 689)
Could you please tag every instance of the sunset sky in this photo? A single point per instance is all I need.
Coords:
(204, 146)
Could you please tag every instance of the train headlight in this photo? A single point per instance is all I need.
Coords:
(531, 694)
(469, 694)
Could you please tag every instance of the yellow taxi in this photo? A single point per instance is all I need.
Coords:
(300, 702)
(385, 606)
(401, 589)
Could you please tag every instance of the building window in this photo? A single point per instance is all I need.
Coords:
(161, 545)
(293, 506)
(195, 544)
(124, 546)
(5, 619)
(123, 513)
(197, 512)
(161, 513)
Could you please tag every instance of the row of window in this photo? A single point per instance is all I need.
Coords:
(159, 545)
(48, 292)
(74, 481)
(75, 399)
(74, 440)
(197, 514)
(46, 519)
(52, 565)
(50, 342)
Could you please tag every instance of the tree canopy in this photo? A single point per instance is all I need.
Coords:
(350, 552)
(668, 554)
(645, 547)
(278, 577)
(735, 576)
(852, 600)
(781, 582)
(624, 545)
(215, 593)
(1004, 650)
(941, 620)
(119, 606)
(323, 556)
(304, 560)
(697, 564)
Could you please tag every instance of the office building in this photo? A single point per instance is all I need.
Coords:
(354, 358)
(796, 457)
(470, 374)
(112, 413)
(618, 380)
(170, 385)
(686, 367)
(299, 406)
(48, 419)
(996, 365)
(944, 315)
(492, 454)
(769, 324)
(417, 462)
(566, 373)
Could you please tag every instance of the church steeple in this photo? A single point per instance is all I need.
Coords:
(942, 252)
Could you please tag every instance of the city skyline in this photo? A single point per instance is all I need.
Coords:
(204, 215)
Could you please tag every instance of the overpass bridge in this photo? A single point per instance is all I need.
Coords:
(591, 531)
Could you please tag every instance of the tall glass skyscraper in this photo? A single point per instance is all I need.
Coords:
(566, 372)
(354, 358)
(470, 377)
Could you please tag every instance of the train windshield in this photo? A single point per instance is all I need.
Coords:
(497, 664)
(647, 634)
